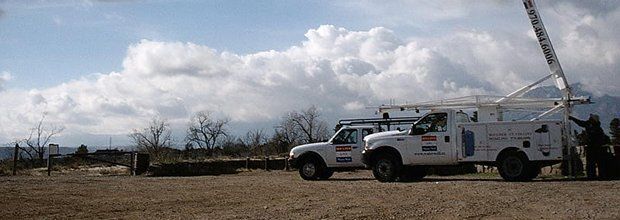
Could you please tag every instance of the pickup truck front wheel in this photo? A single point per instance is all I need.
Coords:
(310, 169)
(385, 168)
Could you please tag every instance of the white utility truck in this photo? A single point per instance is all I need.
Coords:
(445, 136)
(341, 152)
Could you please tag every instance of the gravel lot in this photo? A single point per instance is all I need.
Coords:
(284, 195)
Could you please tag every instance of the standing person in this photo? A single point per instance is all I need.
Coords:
(596, 138)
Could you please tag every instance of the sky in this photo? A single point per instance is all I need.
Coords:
(102, 68)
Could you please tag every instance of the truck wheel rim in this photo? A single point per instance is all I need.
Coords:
(309, 169)
(513, 166)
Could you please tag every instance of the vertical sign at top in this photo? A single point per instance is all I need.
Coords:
(545, 45)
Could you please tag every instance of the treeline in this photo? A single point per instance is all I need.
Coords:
(208, 136)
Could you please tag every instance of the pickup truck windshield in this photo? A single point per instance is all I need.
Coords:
(347, 136)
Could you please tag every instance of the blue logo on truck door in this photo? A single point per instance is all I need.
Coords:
(429, 148)
(343, 154)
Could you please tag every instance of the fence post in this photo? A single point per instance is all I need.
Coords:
(247, 163)
(267, 163)
(133, 163)
(15, 159)
(286, 168)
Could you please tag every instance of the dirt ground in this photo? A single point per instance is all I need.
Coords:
(284, 195)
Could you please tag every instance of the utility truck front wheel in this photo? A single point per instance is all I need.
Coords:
(386, 168)
(515, 167)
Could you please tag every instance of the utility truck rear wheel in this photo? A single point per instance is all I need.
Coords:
(515, 167)
(386, 168)
(310, 169)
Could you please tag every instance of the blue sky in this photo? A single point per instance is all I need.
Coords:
(48, 43)
(101, 68)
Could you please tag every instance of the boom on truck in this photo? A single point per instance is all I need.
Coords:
(445, 136)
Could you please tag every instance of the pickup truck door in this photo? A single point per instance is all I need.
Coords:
(432, 142)
(345, 149)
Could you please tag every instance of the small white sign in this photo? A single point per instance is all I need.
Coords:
(54, 149)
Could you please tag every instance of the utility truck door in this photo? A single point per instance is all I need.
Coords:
(345, 150)
(434, 142)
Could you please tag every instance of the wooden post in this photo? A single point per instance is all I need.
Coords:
(247, 163)
(132, 167)
(267, 163)
(15, 157)
(286, 165)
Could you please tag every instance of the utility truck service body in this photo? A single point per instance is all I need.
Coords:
(447, 137)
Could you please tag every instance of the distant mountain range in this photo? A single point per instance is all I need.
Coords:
(606, 106)
(7, 152)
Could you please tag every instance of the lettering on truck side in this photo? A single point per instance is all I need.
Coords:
(343, 154)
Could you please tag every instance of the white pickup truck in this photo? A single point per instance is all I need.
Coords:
(447, 137)
(342, 152)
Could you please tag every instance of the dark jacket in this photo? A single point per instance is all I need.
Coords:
(596, 135)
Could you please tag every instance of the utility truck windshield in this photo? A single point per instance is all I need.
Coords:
(435, 122)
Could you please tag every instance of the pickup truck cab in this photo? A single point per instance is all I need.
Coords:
(447, 137)
(343, 151)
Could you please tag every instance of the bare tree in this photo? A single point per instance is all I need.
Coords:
(308, 125)
(40, 136)
(256, 139)
(205, 131)
(286, 132)
(154, 138)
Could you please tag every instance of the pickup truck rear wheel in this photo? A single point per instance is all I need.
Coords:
(310, 169)
(515, 167)
(386, 168)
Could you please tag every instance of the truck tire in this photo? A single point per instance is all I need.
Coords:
(310, 169)
(410, 174)
(326, 174)
(386, 168)
(515, 166)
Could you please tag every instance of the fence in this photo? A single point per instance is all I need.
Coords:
(217, 167)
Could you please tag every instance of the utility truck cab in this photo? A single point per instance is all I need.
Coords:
(343, 151)
(447, 137)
